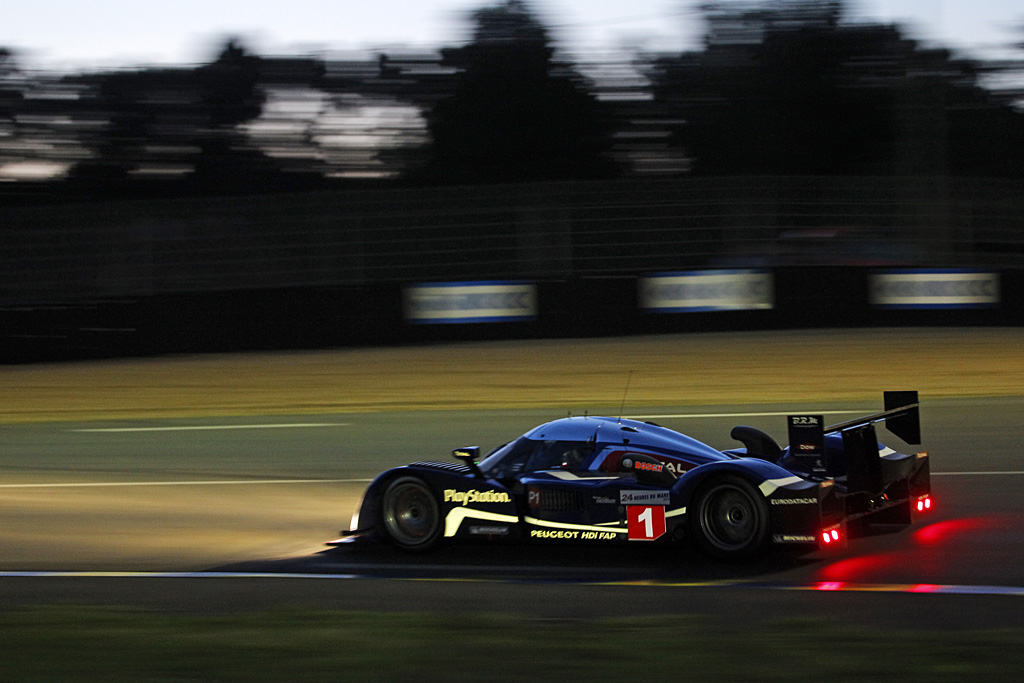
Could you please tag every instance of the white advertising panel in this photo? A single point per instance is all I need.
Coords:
(470, 302)
(940, 288)
(707, 290)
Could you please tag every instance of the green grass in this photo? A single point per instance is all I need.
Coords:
(118, 644)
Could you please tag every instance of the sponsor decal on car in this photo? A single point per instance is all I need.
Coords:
(453, 520)
(605, 500)
(677, 468)
(794, 501)
(573, 535)
(473, 496)
(488, 530)
(644, 497)
(554, 533)
(627, 462)
(807, 437)
(645, 522)
(793, 538)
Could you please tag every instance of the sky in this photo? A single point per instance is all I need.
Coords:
(76, 35)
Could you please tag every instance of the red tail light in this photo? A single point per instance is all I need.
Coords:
(924, 503)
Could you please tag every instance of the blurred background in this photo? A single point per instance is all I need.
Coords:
(192, 178)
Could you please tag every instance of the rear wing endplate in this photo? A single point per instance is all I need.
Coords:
(901, 416)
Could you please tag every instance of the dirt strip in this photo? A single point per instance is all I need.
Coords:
(705, 368)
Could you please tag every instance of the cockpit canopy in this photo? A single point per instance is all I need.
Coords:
(577, 443)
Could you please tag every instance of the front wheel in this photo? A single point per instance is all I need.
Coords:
(410, 514)
(730, 519)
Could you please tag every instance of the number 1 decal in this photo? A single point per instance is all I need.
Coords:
(645, 522)
(645, 517)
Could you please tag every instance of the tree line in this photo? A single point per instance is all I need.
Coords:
(777, 88)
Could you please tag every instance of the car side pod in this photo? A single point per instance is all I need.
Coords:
(648, 470)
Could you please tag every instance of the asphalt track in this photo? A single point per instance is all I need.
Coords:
(222, 514)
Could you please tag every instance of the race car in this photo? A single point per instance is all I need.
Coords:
(608, 480)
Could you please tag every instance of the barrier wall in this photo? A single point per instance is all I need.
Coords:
(323, 317)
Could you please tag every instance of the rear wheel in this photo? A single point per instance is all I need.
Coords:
(730, 519)
(410, 514)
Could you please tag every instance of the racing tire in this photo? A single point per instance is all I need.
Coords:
(730, 519)
(411, 515)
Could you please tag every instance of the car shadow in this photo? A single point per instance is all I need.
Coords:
(553, 563)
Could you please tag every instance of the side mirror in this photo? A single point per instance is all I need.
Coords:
(469, 456)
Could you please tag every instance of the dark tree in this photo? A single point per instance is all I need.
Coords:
(10, 93)
(515, 113)
(789, 88)
(228, 95)
(167, 125)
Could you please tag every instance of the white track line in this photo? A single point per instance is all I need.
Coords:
(695, 416)
(242, 482)
(974, 474)
(360, 573)
(198, 428)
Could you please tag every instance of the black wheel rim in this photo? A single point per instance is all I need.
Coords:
(410, 513)
(729, 517)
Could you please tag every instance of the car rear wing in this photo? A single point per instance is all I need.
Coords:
(902, 417)
(862, 464)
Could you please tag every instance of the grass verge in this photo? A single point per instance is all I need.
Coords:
(802, 366)
(120, 644)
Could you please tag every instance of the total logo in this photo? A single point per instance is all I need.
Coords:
(676, 468)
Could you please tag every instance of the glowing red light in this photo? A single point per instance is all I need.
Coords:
(826, 537)
(862, 569)
(944, 532)
(830, 586)
(835, 535)
(924, 588)
(920, 506)
(927, 503)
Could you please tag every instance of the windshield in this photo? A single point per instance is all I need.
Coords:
(507, 460)
(527, 455)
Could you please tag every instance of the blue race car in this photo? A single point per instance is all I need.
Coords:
(612, 480)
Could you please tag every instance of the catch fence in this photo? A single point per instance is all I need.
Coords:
(542, 231)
